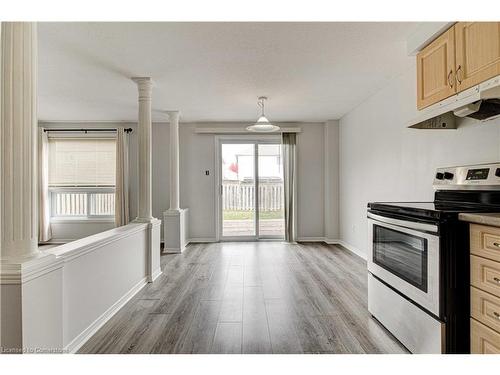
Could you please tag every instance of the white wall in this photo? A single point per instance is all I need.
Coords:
(66, 231)
(382, 160)
(114, 262)
(310, 182)
(71, 230)
(197, 155)
(197, 190)
(331, 180)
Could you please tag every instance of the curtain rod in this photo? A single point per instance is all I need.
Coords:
(127, 130)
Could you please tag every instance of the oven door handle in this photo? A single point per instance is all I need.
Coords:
(422, 227)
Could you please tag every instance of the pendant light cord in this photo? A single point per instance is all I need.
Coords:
(260, 103)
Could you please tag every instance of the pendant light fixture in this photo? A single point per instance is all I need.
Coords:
(262, 125)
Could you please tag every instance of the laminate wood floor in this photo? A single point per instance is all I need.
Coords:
(250, 297)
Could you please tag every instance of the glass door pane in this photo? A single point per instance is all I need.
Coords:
(403, 254)
(238, 189)
(270, 173)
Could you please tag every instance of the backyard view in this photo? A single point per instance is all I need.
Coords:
(238, 190)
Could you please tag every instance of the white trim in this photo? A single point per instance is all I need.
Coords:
(332, 241)
(348, 246)
(23, 270)
(82, 338)
(202, 240)
(172, 250)
(57, 241)
(248, 138)
(155, 275)
(310, 239)
(200, 130)
(72, 250)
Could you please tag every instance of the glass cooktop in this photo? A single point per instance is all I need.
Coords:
(446, 204)
(430, 206)
(429, 210)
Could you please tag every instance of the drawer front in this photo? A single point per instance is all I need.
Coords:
(485, 241)
(483, 339)
(485, 308)
(485, 274)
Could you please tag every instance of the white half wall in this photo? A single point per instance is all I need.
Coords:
(50, 304)
(115, 263)
(382, 160)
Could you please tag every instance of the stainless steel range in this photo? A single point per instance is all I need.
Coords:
(418, 279)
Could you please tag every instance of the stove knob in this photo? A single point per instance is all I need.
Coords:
(448, 176)
(440, 176)
(497, 172)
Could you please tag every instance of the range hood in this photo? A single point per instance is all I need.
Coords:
(481, 102)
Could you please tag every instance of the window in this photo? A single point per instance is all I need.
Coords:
(82, 177)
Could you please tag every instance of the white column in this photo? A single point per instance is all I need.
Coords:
(145, 86)
(18, 133)
(175, 219)
(30, 281)
(174, 159)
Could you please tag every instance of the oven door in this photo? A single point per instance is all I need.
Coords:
(405, 255)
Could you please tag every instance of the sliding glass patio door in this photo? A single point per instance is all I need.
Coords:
(250, 190)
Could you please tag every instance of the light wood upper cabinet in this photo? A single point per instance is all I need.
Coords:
(477, 49)
(436, 70)
(465, 55)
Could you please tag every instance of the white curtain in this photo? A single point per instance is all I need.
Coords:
(44, 230)
(290, 191)
(121, 185)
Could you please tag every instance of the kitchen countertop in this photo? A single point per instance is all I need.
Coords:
(481, 218)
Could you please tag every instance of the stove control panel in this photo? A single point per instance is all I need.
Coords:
(470, 177)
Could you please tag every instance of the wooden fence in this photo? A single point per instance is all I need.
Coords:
(240, 195)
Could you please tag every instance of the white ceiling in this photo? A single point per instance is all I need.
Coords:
(216, 71)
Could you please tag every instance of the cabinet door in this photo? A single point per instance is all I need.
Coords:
(477, 46)
(436, 70)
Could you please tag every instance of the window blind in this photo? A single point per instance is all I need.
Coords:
(82, 161)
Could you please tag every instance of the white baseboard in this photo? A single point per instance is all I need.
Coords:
(202, 240)
(58, 241)
(82, 338)
(172, 250)
(311, 239)
(329, 241)
(349, 247)
(155, 275)
(334, 241)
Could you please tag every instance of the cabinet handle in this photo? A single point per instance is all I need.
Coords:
(497, 315)
(497, 280)
(459, 76)
(496, 244)
(450, 81)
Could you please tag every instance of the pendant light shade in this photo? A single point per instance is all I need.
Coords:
(262, 125)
